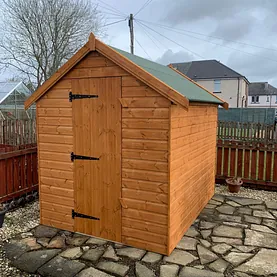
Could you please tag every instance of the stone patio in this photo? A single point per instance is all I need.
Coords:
(233, 236)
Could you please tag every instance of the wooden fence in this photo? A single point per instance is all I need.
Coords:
(256, 163)
(18, 173)
(17, 134)
(248, 132)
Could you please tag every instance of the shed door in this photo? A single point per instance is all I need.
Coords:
(97, 134)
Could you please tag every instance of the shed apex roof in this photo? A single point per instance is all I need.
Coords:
(168, 82)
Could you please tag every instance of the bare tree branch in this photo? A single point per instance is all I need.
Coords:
(41, 35)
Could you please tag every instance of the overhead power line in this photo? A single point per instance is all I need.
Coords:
(226, 46)
(143, 6)
(112, 7)
(209, 36)
(112, 23)
(196, 54)
(143, 49)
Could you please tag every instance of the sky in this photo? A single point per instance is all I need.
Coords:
(239, 33)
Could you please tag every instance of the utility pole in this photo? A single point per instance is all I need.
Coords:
(131, 27)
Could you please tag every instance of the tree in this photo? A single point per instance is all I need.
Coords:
(38, 36)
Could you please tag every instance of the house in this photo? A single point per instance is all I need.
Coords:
(262, 95)
(12, 98)
(218, 78)
(126, 148)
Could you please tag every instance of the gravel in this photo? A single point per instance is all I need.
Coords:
(17, 221)
(248, 193)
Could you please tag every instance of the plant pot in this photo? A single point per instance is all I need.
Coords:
(234, 186)
(2, 216)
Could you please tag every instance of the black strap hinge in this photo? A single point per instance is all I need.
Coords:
(74, 214)
(80, 96)
(78, 157)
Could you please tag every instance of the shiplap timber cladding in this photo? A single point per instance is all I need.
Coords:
(156, 151)
(192, 166)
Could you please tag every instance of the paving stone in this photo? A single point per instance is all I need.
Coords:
(228, 231)
(241, 274)
(236, 258)
(271, 205)
(92, 272)
(31, 243)
(96, 241)
(205, 243)
(208, 212)
(245, 249)
(194, 272)
(261, 228)
(26, 235)
(270, 223)
(45, 232)
(221, 248)
(226, 209)
(31, 261)
(210, 206)
(252, 219)
(215, 202)
(232, 218)
(234, 224)
(227, 240)
(169, 270)
(119, 245)
(192, 232)
(205, 255)
(85, 248)
(274, 213)
(152, 258)
(218, 197)
(43, 241)
(110, 254)
(180, 257)
(219, 265)
(206, 233)
(199, 266)
(77, 241)
(206, 225)
(60, 267)
(143, 271)
(245, 201)
(132, 253)
(257, 207)
(72, 253)
(93, 255)
(233, 204)
(14, 249)
(265, 240)
(263, 263)
(114, 268)
(57, 242)
(244, 210)
(264, 214)
(187, 243)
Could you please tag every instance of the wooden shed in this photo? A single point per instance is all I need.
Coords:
(126, 147)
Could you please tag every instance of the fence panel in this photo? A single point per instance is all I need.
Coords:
(255, 163)
(18, 171)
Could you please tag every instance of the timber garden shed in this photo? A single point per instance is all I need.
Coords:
(126, 148)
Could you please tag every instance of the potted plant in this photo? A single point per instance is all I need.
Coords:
(3, 211)
(234, 184)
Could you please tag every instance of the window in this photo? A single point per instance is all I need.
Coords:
(217, 86)
(255, 99)
(276, 99)
(267, 99)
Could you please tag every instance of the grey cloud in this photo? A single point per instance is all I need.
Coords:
(256, 68)
(170, 57)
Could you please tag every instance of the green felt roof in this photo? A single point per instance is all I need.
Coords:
(176, 81)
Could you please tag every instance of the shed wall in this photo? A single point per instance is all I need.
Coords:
(145, 145)
(192, 165)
